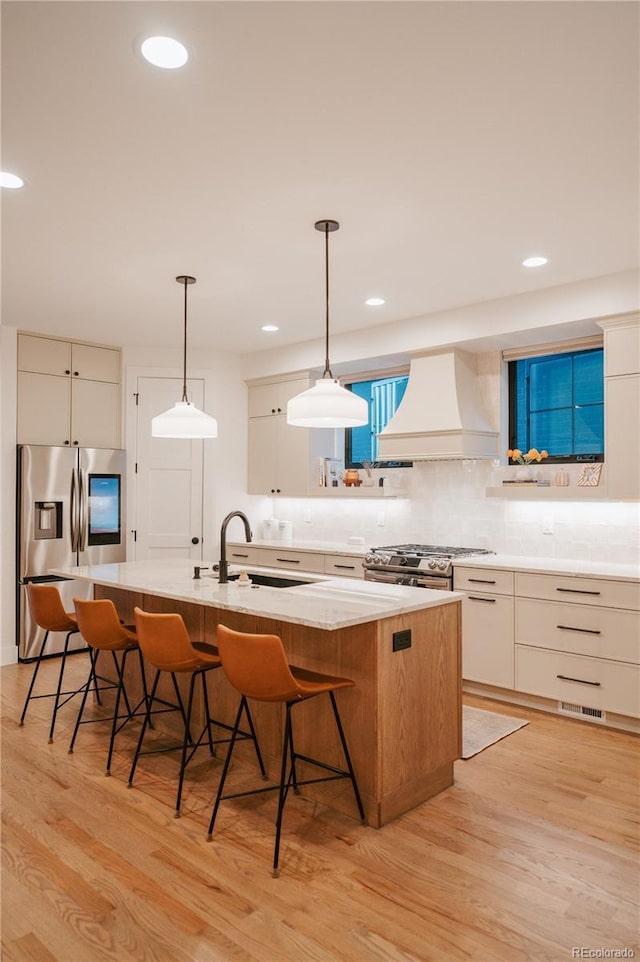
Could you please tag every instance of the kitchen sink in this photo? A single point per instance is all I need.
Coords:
(273, 581)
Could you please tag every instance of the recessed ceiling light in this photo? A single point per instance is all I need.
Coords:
(164, 52)
(537, 261)
(10, 180)
(269, 327)
(374, 301)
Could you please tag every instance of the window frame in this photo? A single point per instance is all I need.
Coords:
(512, 380)
(348, 381)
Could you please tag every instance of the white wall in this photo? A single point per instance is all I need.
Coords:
(539, 317)
(8, 388)
(447, 504)
(446, 501)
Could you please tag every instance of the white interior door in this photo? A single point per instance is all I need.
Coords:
(169, 477)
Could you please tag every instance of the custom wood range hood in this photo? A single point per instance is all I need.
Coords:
(442, 415)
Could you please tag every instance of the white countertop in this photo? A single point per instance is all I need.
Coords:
(561, 566)
(314, 547)
(553, 566)
(327, 603)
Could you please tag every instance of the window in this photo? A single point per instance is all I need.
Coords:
(556, 403)
(383, 396)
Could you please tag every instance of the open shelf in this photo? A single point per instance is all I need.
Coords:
(534, 492)
(361, 492)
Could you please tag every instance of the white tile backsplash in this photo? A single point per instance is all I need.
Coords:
(447, 504)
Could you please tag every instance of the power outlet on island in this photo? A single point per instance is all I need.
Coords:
(402, 639)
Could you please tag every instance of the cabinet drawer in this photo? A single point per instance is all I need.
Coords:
(277, 557)
(579, 629)
(346, 566)
(592, 682)
(495, 580)
(582, 591)
(296, 560)
(246, 555)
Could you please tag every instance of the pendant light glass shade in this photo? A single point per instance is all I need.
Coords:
(327, 404)
(184, 420)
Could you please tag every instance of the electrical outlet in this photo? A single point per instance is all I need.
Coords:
(401, 640)
(380, 521)
(547, 525)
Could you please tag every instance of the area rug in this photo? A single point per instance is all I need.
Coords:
(483, 728)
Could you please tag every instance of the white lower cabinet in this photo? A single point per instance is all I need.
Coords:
(487, 625)
(580, 649)
(343, 566)
(281, 556)
(284, 557)
(595, 683)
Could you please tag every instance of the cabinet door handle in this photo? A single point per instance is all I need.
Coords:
(580, 681)
(489, 601)
(290, 561)
(577, 591)
(481, 581)
(348, 567)
(585, 631)
(236, 554)
(67, 371)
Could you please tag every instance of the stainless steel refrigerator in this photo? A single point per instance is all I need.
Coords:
(70, 512)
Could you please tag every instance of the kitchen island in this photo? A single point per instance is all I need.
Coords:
(400, 645)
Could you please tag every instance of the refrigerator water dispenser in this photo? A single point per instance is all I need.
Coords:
(48, 518)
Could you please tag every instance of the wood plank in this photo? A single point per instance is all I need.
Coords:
(533, 850)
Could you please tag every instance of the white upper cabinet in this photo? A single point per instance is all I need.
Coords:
(266, 400)
(280, 456)
(622, 406)
(68, 393)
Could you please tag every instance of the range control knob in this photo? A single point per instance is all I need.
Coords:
(432, 564)
(376, 559)
(402, 561)
(442, 565)
(368, 558)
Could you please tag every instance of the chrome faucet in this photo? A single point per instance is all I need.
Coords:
(224, 566)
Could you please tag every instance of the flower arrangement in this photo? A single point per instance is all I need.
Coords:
(532, 455)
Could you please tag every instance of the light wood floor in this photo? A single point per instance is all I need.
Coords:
(533, 851)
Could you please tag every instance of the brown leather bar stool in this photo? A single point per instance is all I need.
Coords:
(165, 644)
(256, 665)
(103, 631)
(47, 611)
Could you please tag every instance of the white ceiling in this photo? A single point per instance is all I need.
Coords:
(449, 139)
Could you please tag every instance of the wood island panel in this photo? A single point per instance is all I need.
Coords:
(402, 720)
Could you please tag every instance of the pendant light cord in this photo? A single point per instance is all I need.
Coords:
(327, 367)
(184, 366)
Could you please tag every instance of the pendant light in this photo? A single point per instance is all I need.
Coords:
(327, 404)
(184, 420)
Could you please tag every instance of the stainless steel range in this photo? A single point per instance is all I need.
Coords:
(418, 565)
